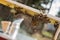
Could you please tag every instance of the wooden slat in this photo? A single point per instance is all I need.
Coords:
(33, 11)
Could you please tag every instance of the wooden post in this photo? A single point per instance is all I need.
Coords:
(57, 33)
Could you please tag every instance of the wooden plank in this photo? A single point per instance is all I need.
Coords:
(57, 33)
(33, 9)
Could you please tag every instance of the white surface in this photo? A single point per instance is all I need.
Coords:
(19, 37)
(17, 26)
(24, 37)
(5, 36)
(55, 8)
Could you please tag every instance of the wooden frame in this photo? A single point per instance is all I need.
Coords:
(57, 33)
